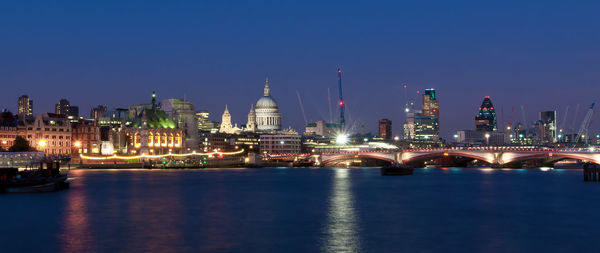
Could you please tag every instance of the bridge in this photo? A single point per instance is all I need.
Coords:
(495, 156)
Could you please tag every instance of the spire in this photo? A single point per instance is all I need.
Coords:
(251, 107)
(226, 110)
(267, 89)
(153, 100)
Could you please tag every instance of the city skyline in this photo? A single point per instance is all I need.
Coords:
(518, 56)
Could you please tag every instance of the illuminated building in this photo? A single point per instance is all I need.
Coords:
(479, 138)
(409, 126)
(424, 125)
(85, 137)
(8, 130)
(486, 118)
(430, 104)
(183, 113)
(426, 128)
(271, 144)
(154, 132)
(251, 125)
(112, 129)
(321, 128)
(226, 126)
(63, 108)
(385, 129)
(268, 117)
(50, 133)
(25, 106)
(204, 123)
(547, 127)
(216, 141)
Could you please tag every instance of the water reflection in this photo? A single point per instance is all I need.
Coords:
(342, 232)
(76, 236)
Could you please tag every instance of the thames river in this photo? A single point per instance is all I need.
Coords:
(307, 210)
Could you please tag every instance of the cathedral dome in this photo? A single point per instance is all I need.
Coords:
(267, 112)
(266, 103)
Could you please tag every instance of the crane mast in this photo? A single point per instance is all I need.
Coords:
(585, 123)
(341, 103)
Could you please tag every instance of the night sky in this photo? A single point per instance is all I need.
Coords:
(544, 55)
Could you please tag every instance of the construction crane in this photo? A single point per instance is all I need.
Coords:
(341, 103)
(523, 115)
(329, 105)
(563, 124)
(572, 127)
(585, 124)
(302, 108)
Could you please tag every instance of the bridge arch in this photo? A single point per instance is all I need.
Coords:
(328, 159)
(508, 158)
(486, 157)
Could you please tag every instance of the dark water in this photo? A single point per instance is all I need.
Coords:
(307, 210)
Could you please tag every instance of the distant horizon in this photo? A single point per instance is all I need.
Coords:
(542, 57)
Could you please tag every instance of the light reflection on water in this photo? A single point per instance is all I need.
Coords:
(307, 210)
(342, 234)
(76, 221)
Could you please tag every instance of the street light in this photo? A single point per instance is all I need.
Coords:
(341, 139)
(77, 144)
(487, 139)
(42, 143)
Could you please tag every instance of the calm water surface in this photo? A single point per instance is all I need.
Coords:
(307, 210)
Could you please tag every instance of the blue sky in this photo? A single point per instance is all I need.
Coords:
(543, 55)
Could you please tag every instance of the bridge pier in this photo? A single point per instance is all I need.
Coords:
(591, 172)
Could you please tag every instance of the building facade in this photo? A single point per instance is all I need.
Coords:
(271, 144)
(183, 113)
(321, 128)
(85, 137)
(154, 132)
(50, 133)
(385, 129)
(8, 130)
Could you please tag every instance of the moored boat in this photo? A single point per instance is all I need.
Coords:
(31, 181)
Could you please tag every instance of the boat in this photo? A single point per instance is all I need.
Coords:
(31, 181)
(396, 170)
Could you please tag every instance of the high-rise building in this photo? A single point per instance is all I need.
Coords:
(66, 109)
(431, 106)
(98, 112)
(63, 107)
(385, 129)
(204, 122)
(25, 106)
(486, 118)
(547, 127)
(426, 128)
(424, 124)
(73, 112)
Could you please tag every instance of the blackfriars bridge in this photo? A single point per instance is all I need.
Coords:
(495, 156)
